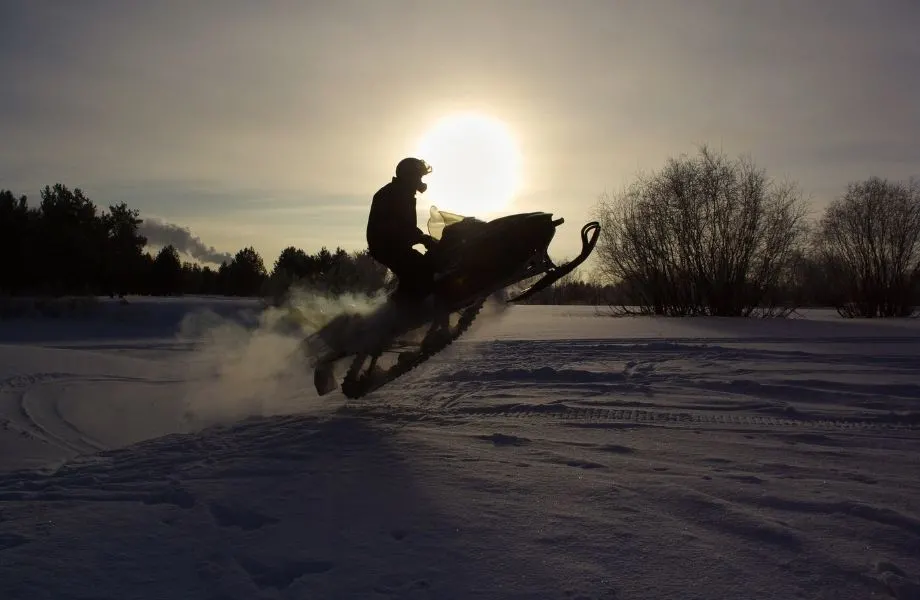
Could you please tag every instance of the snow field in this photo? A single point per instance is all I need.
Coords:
(553, 453)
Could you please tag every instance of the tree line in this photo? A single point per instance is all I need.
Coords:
(66, 245)
(704, 235)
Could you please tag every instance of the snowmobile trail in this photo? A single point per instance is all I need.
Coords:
(718, 383)
(563, 414)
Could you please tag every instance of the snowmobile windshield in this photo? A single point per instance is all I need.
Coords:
(439, 219)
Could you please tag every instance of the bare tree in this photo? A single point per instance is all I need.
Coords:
(703, 236)
(869, 240)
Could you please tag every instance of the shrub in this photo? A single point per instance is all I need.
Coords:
(703, 236)
(869, 242)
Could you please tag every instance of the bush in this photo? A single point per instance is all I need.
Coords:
(704, 236)
(869, 242)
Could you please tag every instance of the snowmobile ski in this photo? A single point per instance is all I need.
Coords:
(555, 273)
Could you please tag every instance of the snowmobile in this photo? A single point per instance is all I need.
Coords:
(474, 260)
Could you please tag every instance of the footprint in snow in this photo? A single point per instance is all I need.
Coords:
(237, 516)
(745, 478)
(398, 585)
(175, 495)
(500, 439)
(616, 449)
(281, 574)
(897, 581)
(11, 540)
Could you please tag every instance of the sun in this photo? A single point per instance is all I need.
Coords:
(476, 164)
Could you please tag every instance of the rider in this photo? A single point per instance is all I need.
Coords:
(392, 231)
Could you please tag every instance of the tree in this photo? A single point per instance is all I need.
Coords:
(74, 238)
(294, 262)
(702, 236)
(869, 240)
(124, 252)
(370, 276)
(17, 224)
(357, 272)
(324, 261)
(166, 272)
(245, 274)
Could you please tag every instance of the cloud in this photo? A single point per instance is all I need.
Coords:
(160, 233)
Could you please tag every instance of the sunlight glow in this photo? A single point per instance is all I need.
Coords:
(476, 164)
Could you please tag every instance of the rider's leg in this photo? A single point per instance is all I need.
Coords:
(411, 268)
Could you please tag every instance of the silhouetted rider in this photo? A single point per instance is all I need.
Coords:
(392, 230)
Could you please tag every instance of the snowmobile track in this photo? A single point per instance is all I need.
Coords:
(352, 386)
(603, 417)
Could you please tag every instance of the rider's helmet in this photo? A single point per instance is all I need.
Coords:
(412, 170)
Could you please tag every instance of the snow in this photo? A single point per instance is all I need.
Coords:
(172, 448)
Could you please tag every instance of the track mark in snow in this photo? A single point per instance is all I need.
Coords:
(500, 439)
(62, 492)
(676, 418)
(579, 416)
(45, 417)
(538, 375)
(577, 463)
(815, 439)
(281, 573)
(234, 516)
(691, 381)
(38, 404)
(567, 459)
(616, 449)
(728, 518)
(861, 478)
(11, 540)
(399, 585)
(877, 514)
(896, 581)
(635, 368)
(23, 382)
(884, 566)
(745, 478)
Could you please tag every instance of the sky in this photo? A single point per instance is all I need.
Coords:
(272, 123)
